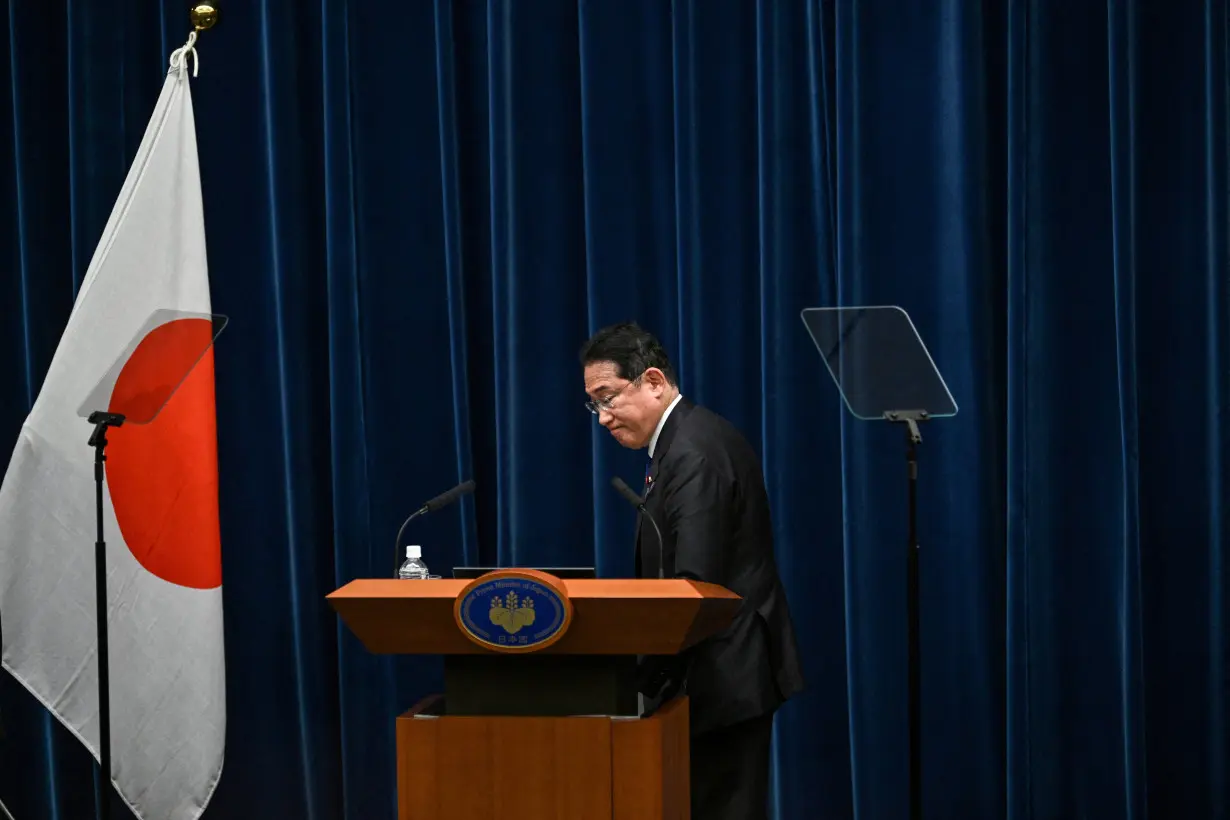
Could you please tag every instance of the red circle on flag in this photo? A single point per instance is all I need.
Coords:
(163, 476)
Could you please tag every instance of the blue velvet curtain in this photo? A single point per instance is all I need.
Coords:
(418, 211)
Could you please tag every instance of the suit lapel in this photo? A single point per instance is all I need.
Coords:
(673, 422)
(647, 559)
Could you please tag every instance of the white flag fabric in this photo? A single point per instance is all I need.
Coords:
(164, 584)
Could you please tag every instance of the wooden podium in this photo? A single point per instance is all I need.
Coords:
(539, 717)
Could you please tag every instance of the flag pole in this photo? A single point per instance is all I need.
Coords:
(203, 16)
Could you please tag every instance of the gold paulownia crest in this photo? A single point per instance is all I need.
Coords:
(512, 612)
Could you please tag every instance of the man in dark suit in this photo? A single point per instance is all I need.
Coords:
(704, 487)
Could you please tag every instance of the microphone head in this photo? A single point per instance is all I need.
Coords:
(623, 489)
(446, 498)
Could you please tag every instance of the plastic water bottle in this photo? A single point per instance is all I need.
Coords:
(414, 568)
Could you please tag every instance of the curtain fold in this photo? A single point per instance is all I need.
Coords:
(417, 215)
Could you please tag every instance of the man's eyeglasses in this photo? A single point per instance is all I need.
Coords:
(608, 401)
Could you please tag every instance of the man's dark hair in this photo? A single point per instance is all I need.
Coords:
(631, 348)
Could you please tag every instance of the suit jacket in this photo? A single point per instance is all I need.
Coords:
(706, 491)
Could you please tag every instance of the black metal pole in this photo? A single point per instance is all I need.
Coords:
(911, 420)
(104, 688)
(98, 440)
(915, 682)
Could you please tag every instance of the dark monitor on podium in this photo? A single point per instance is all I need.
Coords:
(558, 572)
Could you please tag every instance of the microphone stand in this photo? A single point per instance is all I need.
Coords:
(442, 500)
(661, 544)
(98, 440)
(636, 501)
(397, 554)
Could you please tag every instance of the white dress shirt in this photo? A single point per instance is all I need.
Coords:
(653, 441)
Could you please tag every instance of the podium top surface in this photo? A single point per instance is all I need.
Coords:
(578, 588)
(610, 616)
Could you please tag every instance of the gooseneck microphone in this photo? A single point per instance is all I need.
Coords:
(635, 500)
(442, 500)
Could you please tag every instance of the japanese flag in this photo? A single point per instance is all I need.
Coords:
(146, 280)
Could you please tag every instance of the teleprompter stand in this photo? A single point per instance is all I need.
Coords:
(883, 371)
(134, 390)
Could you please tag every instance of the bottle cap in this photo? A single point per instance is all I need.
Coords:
(414, 552)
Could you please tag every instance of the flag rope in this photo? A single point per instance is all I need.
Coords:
(179, 57)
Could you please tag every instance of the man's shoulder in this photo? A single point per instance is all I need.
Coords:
(703, 431)
(702, 418)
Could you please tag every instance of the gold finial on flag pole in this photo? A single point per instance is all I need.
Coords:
(204, 15)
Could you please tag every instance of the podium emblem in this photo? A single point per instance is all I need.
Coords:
(514, 610)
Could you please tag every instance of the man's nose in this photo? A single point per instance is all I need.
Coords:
(605, 417)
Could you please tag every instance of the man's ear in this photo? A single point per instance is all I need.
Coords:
(655, 378)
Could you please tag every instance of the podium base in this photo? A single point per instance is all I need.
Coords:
(548, 768)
